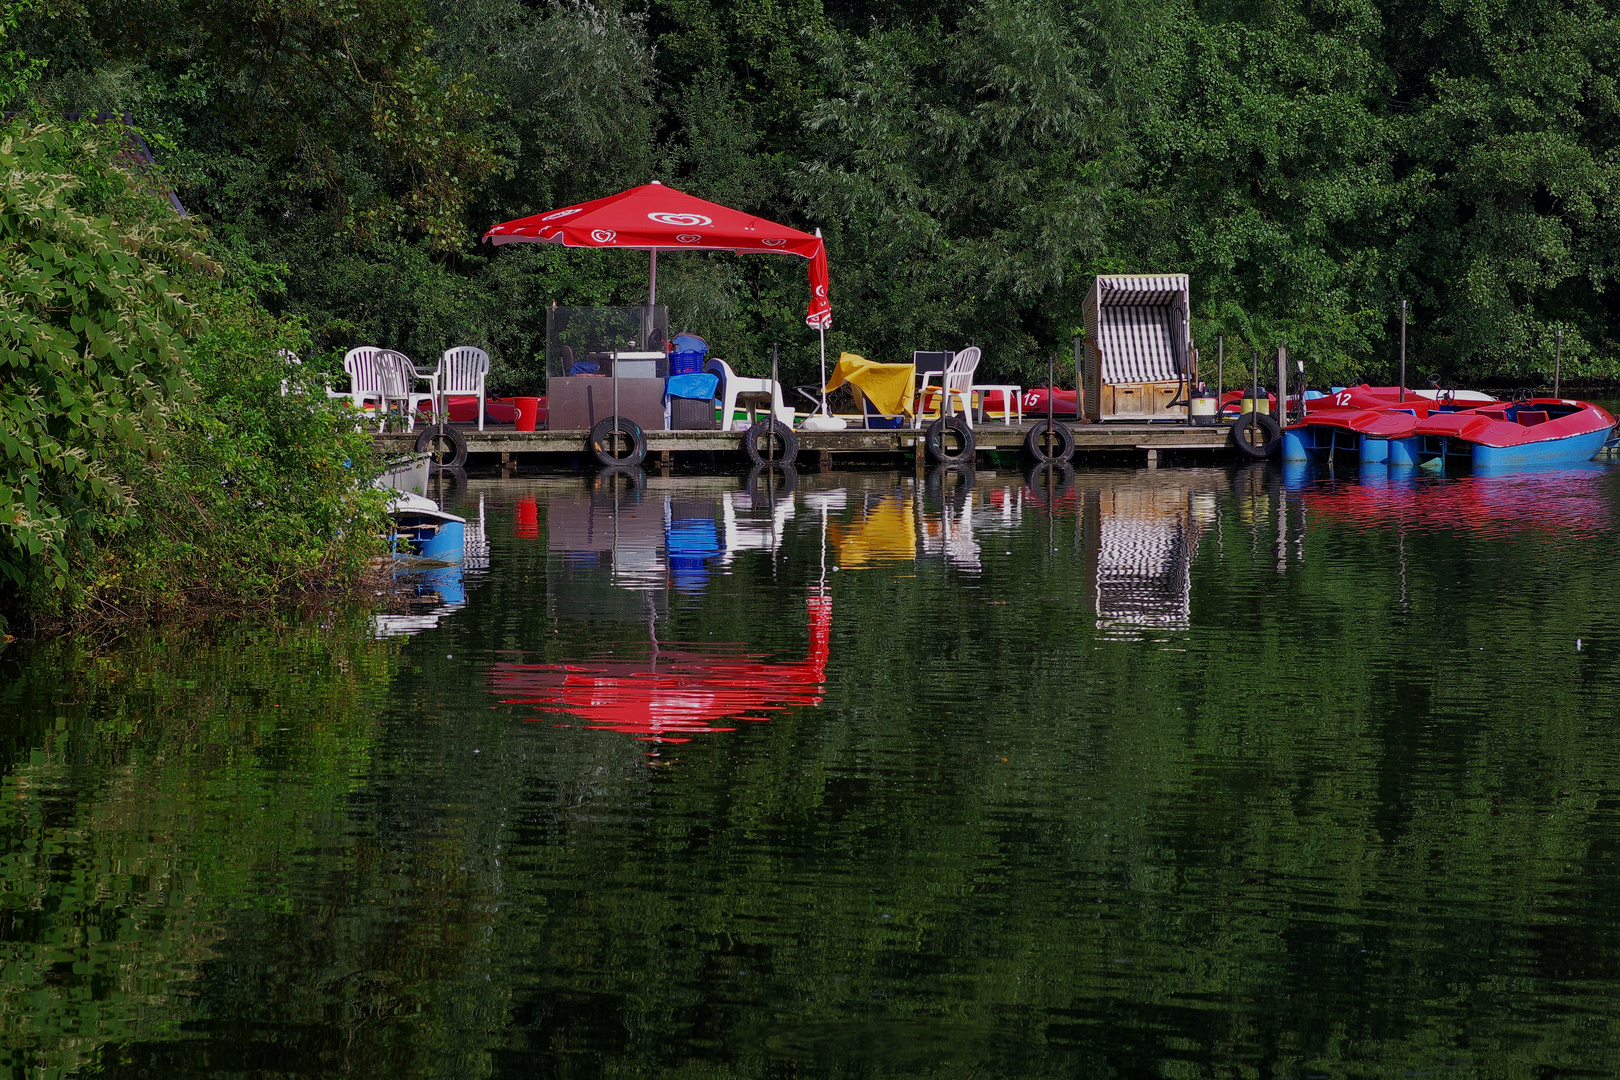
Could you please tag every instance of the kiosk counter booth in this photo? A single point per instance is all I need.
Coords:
(586, 347)
(593, 354)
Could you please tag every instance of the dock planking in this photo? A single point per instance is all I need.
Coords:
(900, 442)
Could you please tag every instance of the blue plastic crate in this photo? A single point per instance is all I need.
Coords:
(689, 362)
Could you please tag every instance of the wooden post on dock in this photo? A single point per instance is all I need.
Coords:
(1282, 386)
(1403, 352)
(1558, 360)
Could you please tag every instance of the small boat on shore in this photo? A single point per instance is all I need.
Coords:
(429, 532)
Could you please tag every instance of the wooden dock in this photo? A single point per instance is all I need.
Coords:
(817, 448)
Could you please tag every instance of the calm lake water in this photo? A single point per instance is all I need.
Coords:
(1181, 773)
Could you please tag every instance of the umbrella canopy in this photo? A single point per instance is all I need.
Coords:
(656, 218)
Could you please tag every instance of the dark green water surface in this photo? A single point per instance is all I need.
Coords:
(1175, 773)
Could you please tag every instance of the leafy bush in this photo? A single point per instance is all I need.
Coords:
(146, 452)
(260, 493)
(89, 341)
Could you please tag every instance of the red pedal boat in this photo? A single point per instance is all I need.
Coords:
(1372, 423)
(1513, 435)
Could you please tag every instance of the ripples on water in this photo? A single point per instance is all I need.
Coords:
(1181, 773)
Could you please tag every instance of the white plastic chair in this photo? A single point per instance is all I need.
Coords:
(957, 383)
(366, 380)
(753, 392)
(399, 381)
(462, 370)
(290, 358)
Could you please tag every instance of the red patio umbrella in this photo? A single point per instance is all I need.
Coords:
(656, 218)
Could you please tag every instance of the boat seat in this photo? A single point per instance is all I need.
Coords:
(1532, 417)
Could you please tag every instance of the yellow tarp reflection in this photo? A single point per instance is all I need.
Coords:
(883, 533)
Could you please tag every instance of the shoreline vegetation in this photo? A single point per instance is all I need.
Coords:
(148, 458)
(971, 163)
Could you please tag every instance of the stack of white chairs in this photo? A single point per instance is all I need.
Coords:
(367, 384)
(382, 378)
(401, 379)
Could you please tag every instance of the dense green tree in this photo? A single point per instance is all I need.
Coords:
(90, 343)
(1309, 162)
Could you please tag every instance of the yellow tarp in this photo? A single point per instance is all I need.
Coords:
(887, 386)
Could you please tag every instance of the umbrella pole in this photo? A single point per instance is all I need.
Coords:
(652, 300)
(824, 410)
(771, 453)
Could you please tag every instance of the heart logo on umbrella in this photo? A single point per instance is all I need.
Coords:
(562, 213)
(603, 236)
(680, 219)
(689, 238)
(774, 243)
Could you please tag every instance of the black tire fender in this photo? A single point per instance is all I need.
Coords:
(765, 480)
(606, 480)
(757, 443)
(604, 441)
(1061, 475)
(1056, 444)
(446, 447)
(934, 441)
(1256, 435)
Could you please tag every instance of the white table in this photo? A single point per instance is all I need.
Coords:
(1012, 400)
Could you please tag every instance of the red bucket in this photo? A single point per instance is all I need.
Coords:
(528, 411)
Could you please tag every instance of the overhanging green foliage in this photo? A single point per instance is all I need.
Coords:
(89, 343)
(147, 452)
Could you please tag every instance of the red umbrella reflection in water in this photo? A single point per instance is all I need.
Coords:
(675, 694)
